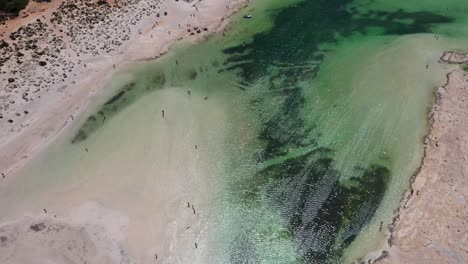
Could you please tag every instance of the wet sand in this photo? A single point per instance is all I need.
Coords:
(431, 226)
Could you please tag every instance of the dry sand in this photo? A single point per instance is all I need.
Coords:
(432, 224)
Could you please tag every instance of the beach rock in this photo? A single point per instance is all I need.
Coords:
(454, 57)
(431, 226)
(38, 227)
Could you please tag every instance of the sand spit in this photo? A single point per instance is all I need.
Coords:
(56, 55)
(431, 227)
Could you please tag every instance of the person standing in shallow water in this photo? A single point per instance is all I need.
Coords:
(162, 113)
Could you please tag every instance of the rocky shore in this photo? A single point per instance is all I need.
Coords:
(56, 54)
(431, 226)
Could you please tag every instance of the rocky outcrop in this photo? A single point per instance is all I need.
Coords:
(454, 57)
(431, 227)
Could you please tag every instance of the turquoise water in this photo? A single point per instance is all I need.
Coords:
(326, 105)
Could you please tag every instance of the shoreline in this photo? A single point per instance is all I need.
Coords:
(34, 132)
(412, 237)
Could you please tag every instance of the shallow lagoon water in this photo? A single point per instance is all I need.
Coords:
(309, 121)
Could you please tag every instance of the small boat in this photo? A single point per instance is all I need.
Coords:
(248, 16)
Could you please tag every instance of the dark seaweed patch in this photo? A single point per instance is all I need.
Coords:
(299, 31)
(115, 98)
(124, 97)
(324, 215)
(465, 68)
(192, 74)
(112, 106)
(157, 80)
(38, 227)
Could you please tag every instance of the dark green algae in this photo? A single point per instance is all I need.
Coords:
(125, 96)
(323, 214)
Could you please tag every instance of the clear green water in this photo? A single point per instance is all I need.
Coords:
(326, 104)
